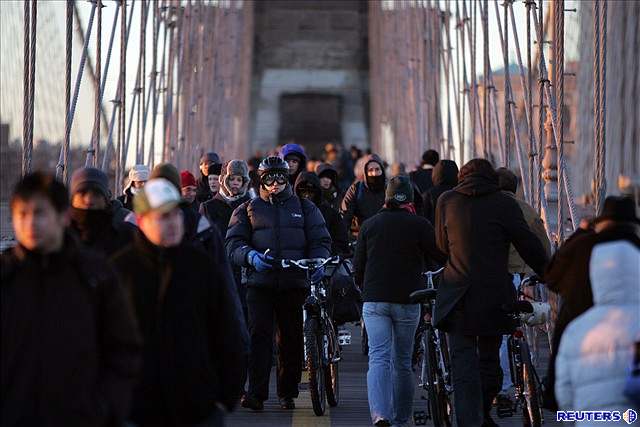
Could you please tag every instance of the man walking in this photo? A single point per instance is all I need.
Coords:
(475, 224)
(69, 349)
(291, 228)
(195, 338)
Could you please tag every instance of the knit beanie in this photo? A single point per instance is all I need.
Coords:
(399, 190)
(90, 178)
(187, 179)
(168, 172)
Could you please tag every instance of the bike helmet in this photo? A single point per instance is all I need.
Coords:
(273, 165)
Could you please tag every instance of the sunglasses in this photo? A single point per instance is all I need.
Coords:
(269, 180)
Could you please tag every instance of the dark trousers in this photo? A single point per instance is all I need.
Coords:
(476, 374)
(284, 309)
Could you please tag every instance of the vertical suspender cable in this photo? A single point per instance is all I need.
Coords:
(67, 89)
(116, 101)
(533, 182)
(123, 96)
(25, 89)
(601, 189)
(558, 68)
(154, 82)
(76, 92)
(486, 137)
(143, 75)
(474, 88)
(596, 99)
(541, 108)
(32, 77)
(507, 96)
(92, 152)
(30, 29)
(526, 88)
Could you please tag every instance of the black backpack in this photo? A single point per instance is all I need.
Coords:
(344, 300)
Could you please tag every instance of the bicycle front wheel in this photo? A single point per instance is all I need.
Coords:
(313, 346)
(532, 412)
(331, 371)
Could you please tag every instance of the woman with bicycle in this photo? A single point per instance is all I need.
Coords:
(288, 227)
(393, 248)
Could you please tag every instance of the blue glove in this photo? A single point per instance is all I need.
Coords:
(259, 261)
(317, 275)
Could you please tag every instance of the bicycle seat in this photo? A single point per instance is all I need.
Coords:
(421, 296)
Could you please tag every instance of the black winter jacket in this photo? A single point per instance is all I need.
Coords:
(422, 178)
(394, 248)
(291, 228)
(195, 337)
(360, 202)
(104, 231)
(475, 224)
(126, 199)
(445, 177)
(568, 271)
(332, 218)
(219, 210)
(203, 190)
(70, 350)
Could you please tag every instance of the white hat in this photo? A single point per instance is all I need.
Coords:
(157, 195)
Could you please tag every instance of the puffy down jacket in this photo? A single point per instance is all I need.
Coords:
(291, 228)
(596, 349)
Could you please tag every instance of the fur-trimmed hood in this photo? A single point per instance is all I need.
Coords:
(234, 167)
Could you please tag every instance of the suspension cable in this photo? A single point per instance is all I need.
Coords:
(67, 90)
(558, 68)
(600, 64)
(92, 152)
(76, 92)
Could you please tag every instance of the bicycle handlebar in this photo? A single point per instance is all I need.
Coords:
(308, 263)
(433, 273)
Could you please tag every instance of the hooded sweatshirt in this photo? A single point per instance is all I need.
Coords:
(362, 201)
(445, 177)
(298, 151)
(475, 224)
(333, 195)
(598, 346)
(332, 218)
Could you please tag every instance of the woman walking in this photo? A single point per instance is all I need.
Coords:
(394, 246)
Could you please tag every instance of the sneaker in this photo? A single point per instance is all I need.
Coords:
(252, 403)
(382, 423)
(287, 403)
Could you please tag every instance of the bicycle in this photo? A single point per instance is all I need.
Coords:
(527, 384)
(321, 344)
(432, 356)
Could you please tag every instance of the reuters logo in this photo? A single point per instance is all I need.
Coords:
(630, 416)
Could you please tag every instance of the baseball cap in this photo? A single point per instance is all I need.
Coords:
(159, 195)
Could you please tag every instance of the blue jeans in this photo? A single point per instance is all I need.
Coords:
(390, 381)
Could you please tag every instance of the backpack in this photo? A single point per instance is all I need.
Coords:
(344, 300)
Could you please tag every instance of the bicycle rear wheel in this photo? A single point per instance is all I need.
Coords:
(532, 411)
(313, 346)
(434, 385)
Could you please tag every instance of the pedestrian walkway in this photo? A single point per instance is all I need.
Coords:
(353, 410)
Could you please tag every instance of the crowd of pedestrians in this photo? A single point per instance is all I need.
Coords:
(161, 306)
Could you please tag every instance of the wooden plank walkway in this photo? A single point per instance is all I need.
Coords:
(353, 410)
